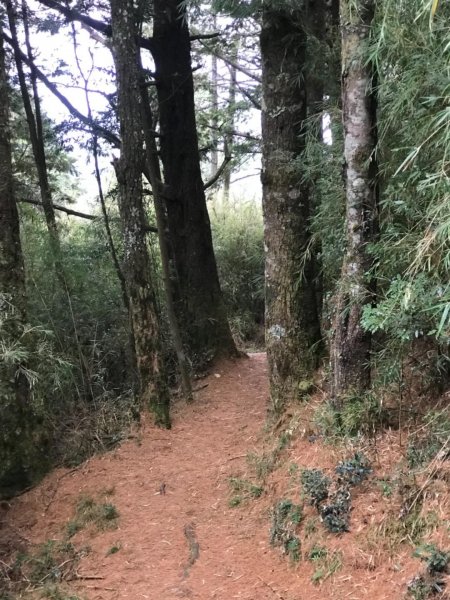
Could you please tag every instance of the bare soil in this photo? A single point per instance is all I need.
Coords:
(178, 536)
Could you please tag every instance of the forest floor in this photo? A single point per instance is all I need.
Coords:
(187, 513)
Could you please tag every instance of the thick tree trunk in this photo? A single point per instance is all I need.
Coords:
(18, 452)
(145, 322)
(153, 172)
(292, 324)
(351, 345)
(200, 306)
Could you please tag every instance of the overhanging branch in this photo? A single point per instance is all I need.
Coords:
(95, 24)
(218, 173)
(68, 211)
(76, 213)
(101, 131)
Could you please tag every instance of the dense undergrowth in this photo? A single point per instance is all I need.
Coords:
(76, 345)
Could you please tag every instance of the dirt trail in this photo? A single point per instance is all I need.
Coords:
(171, 490)
(177, 536)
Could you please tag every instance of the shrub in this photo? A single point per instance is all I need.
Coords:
(315, 486)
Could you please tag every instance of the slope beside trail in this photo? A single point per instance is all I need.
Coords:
(177, 535)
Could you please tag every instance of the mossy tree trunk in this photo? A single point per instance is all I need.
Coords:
(200, 306)
(292, 322)
(18, 454)
(351, 345)
(154, 391)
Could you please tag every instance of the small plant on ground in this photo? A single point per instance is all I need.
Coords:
(354, 470)
(262, 464)
(286, 517)
(423, 588)
(54, 592)
(103, 516)
(436, 560)
(243, 490)
(433, 438)
(431, 583)
(51, 562)
(315, 486)
(326, 563)
(310, 526)
(336, 514)
(386, 487)
(114, 549)
(359, 414)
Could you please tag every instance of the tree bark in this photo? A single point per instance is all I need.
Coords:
(292, 323)
(154, 178)
(351, 345)
(145, 322)
(215, 110)
(200, 307)
(315, 82)
(17, 448)
(229, 137)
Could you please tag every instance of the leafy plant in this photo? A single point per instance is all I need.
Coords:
(103, 516)
(436, 560)
(286, 517)
(243, 490)
(326, 563)
(336, 514)
(422, 588)
(315, 485)
(354, 470)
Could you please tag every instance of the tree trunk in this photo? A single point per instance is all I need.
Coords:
(145, 322)
(18, 452)
(200, 307)
(229, 137)
(35, 128)
(215, 109)
(351, 345)
(315, 83)
(154, 178)
(292, 324)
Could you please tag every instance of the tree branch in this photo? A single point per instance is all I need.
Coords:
(218, 173)
(101, 131)
(249, 96)
(204, 36)
(68, 211)
(231, 62)
(75, 213)
(95, 24)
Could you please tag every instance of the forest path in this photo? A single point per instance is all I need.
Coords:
(177, 534)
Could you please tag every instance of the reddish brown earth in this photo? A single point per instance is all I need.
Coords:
(172, 491)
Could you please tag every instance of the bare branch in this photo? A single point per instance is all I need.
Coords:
(68, 211)
(204, 36)
(101, 131)
(218, 173)
(231, 62)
